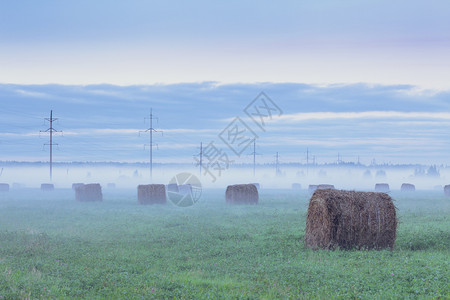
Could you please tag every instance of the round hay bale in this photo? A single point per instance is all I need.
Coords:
(75, 185)
(325, 187)
(47, 187)
(4, 187)
(447, 190)
(350, 219)
(152, 194)
(312, 188)
(242, 194)
(89, 192)
(382, 187)
(296, 186)
(408, 187)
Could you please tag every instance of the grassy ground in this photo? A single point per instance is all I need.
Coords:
(54, 247)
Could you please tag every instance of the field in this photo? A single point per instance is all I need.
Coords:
(54, 247)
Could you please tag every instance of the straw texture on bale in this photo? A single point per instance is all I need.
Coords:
(349, 219)
(408, 187)
(75, 185)
(312, 188)
(382, 187)
(242, 194)
(47, 187)
(152, 194)
(4, 187)
(296, 186)
(447, 190)
(325, 187)
(89, 192)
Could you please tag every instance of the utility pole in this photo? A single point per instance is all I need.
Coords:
(201, 157)
(254, 157)
(51, 130)
(307, 161)
(151, 130)
(277, 169)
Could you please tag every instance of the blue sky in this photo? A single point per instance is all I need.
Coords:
(359, 78)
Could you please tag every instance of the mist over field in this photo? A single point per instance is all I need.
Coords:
(225, 149)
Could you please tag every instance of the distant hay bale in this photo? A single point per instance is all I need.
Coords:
(447, 190)
(325, 187)
(77, 184)
(349, 219)
(296, 186)
(380, 174)
(89, 192)
(111, 185)
(4, 187)
(408, 187)
(152, 194)
(312, 188)
(242, 194)
(256, 185)
(47, 187)
(382, 187)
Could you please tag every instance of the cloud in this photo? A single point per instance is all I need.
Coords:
(300, 117)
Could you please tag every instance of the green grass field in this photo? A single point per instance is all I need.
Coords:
(54, 247)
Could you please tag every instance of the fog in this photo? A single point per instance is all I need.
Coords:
(128, 176)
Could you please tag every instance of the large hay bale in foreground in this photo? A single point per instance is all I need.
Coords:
(296, 186)
(152, 194)
(325, 187)
(242, 194)
(312, 188)
(349, 219)
(75, 185)
(447, 190)
(89, 192)
(47, 187)
(4, 187)
(408, 187)
(382, 187)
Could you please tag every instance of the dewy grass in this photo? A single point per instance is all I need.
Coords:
(54, 247)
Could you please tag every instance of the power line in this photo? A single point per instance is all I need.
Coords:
(151, 130)
(254, 157)
(51, 130)
(277, 165)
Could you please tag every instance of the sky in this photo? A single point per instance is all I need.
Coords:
(148, 42)
(362, 79)
(391, 124)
